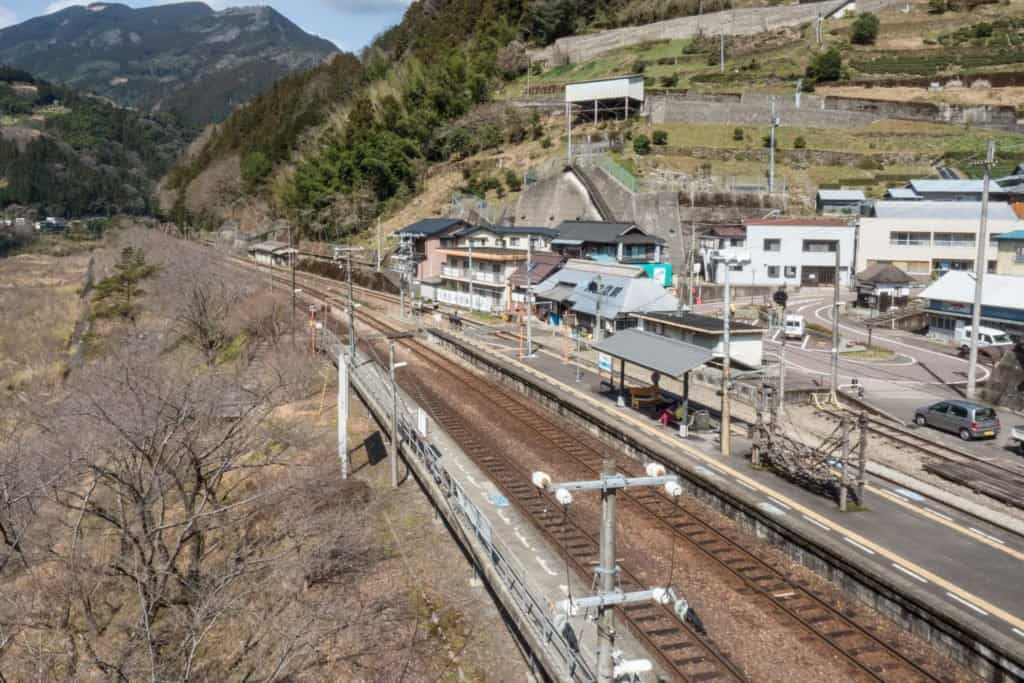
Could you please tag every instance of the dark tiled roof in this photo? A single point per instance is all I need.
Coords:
(509, 230)
(700, 323)
(728, 231)
(600, 232)
(544, 264)
(428, 227)
(884, 273)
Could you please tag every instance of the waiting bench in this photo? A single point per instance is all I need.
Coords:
(644, 396)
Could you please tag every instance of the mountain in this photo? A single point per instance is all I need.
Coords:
(72, 155)
(181, 58)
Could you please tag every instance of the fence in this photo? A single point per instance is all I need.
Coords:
(620, 173)
(369, 377)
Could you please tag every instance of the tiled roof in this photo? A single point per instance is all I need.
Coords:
(818, 221)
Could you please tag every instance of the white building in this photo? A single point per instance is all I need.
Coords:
(951, 304)
(745, 341)
(794, 252)
(619, 97)
(271, 253)
(486, 257)
(926, 239)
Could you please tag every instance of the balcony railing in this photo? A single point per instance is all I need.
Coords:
(484, 276)
(909, 243)
(954, 243)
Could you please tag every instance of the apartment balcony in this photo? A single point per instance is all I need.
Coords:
(481, 277)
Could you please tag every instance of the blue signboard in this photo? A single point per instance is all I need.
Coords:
(659, 272)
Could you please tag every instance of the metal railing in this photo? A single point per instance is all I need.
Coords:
(370, 376)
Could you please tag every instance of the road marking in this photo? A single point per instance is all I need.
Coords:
(503, 517)
(900, 567)
(817, 523)
(522, 539)
(544, 566)
(866, 549)
(988, 536)
(807, 340)
(945, 584)
(968, 604)
(776, 335)
(939, 514)
(473, 481)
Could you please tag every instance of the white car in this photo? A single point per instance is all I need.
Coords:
(796, 327)
(988, 338)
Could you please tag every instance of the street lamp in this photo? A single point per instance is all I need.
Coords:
(729, 259)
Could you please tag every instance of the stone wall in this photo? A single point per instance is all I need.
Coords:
(578, 49)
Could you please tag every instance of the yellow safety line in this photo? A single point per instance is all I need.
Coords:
(865, 542)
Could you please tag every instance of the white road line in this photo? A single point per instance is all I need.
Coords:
(909, 573)
(816, 523)
(807, 339)
(779, 503)
(938, 514)
(1018, 632)
(522, 539)
(473, 481)
(862, 547)
(988, 536)
(968, 604)
(503, 517)
(776, 335)
(544, 566)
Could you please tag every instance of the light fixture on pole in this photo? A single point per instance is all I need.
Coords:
(729, 259)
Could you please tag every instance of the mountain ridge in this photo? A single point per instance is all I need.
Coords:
(183, 58)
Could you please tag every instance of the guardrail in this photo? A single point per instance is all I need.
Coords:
(371, 380)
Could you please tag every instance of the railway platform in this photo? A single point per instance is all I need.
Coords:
(903, 552)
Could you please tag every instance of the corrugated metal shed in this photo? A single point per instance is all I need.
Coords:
(652, 351)
(938, 186)
(620, 88)
(901, 193)
(841, 196)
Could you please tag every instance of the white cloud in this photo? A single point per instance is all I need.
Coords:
(7, 17)
(368, 6)
(62, 4)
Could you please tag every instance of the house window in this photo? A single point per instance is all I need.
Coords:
(773, 272)
(954, 239)
(790, 272)
(739, 242)
(991, 266)
(821, 245)
(910, 239)
(513, 241)
(1019, 255)
(773, 245)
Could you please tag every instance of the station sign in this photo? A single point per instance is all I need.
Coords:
(604, 362)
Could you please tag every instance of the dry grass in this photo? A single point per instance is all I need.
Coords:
(40, 304)
(991, 96)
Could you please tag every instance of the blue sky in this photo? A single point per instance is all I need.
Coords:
(350, 24)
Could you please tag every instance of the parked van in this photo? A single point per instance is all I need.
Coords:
(988, 338)
(795, 327)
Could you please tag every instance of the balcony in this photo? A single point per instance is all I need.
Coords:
(909, 243)
(464, 274)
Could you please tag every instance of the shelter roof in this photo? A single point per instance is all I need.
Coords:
(705, 324)
(670, 357)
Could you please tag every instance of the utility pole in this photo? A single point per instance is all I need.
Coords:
(343, 413)
(721, 53)
(529, 296)
(782, 364)
(844, 482)
(835, 332)
(771, 151)
(726, 437)
(606, 574)
(351, 311)
(472, 276)
(568, 115)
(597, 310)
(380, 246)
(394, 416)
(980, 266)
(291, 259)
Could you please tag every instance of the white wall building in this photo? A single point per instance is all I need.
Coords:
(926, 239)
(794, 252)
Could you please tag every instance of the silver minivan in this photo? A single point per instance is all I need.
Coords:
(969, 420)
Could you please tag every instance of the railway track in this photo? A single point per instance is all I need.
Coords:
(680, 648)
(864, 651)
(1005, 484)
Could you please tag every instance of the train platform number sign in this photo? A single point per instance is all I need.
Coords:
(604, 362)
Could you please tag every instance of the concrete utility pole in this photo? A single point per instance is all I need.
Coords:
(568, 115)
(607, 572)
(782, 364)
(351, 310)
(529, 296)
(380, 246)
(393, 446)
(835, 332)
(291, 259)
(598, 332)
(343, 413)
(472, 276)
(721, 53)
(726, 436)
(771, 152)
(980, 266)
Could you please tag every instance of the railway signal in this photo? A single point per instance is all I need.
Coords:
(607, 572)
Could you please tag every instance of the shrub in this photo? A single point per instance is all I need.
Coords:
(827, 66)
(766, 141)
(983, 30)
(660, 137)
(865, 29)
(800, 143)
(737, 134)
(545, 142)
(670, 81)
(936, 6)
(255, 167)
(642, 145)
(513, 181)
(639, 67)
